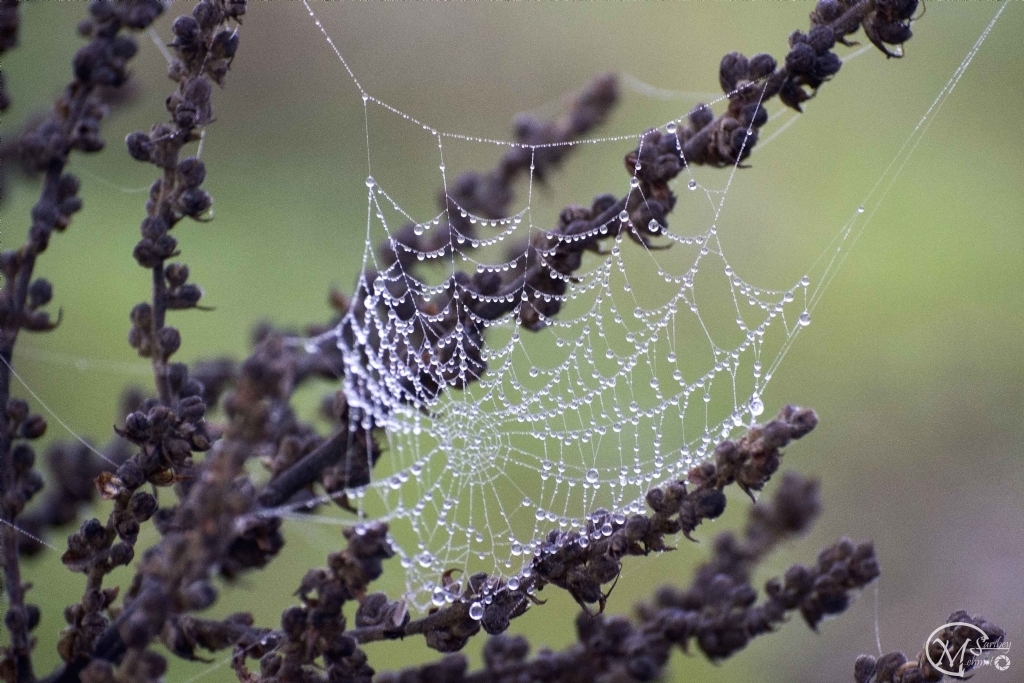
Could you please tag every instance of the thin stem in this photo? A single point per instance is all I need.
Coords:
(159, 314)
(20, 645)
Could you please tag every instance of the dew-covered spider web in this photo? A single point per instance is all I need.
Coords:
(580, 396)
(513, 409)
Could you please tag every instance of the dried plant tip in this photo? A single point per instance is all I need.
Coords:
(153, 227)
(121, 554)
(207, 14)
(23, 458)
(130, 474)
(142, 506)
(33, 427)
(140, 146)
(142, 315)
(225, 44)
(170, 341)
(191, 172)
(235, 9)
(40, 293)
(150, 253)
(187, 34)
(184, 296)
(194, 202)
(198, 595)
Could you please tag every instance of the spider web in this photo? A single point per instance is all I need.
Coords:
(654, 356)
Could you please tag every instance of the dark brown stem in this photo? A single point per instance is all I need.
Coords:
(306, 471)
(159, 315)
(15, 298)
(73, 124)
(20, 644)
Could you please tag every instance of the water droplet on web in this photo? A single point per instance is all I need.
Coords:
(476, 611)
(654, 226)
(437, 597)
(756, 406)
(860, 209)
(592, 476)
(513, 583)
(805, 281)
(805, 319)
(370, 182)
(623, 215)
(692, 184)
(671, 126)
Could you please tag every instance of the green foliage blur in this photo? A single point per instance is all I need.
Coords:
(914, 358)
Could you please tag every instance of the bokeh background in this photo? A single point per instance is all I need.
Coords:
(913, 361)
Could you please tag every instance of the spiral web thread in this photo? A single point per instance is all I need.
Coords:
(632, 383)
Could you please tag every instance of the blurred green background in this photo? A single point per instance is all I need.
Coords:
(913, 361)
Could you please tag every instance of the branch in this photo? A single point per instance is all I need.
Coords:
(204, 47)
(73, 124)
(719, 611)
(169, 430)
